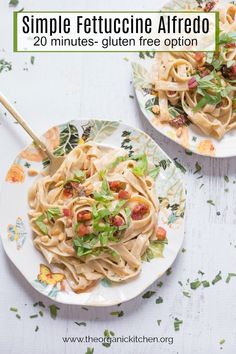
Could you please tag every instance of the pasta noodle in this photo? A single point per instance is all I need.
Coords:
(200, 87)
(96, 216)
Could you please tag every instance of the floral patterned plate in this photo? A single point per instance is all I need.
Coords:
(17, 235)
(191, 138)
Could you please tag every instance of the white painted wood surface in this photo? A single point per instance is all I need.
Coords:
(60, 87)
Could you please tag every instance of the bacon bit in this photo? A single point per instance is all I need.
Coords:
(116, 220)
(123, 195)
(160, 233)
(192, 83)
(203, 71)
(67, 193)
(209, 6)
(116, 186)
(229, 73)
(230, 45)
(179, 121)
(84, 215)
(67, 212)
(171, 92)
(82, 230)
(139, 211)
(233, 70)
(199, 56)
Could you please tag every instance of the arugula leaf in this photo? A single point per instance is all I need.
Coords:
(52, 213)
(227, 37)
(118, 206)
(41, 225)
(102, 197)
(141, 167)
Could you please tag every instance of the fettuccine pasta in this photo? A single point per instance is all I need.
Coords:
(97, 215)
(200, 87)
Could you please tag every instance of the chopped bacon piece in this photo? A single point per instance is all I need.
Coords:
(139, 211)
(179, 121)
(116, 186)
(67, 193)
(204, 72)
(230, 45)
(160, 233)
(84, 215)
(117, 220)
(83, 230)
(233, 70)
(123, 195)
(199, 56)
(192, 83)
(67, 212)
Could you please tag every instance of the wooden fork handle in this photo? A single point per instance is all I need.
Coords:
(24, 125)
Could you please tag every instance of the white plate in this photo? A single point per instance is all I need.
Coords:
(192, 138)
(17, 235)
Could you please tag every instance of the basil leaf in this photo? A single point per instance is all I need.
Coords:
(141, 167)
(53, 213)
(41, 225)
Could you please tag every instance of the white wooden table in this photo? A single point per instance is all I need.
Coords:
(60, 87)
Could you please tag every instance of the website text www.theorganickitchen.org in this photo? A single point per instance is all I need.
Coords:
(118, 339)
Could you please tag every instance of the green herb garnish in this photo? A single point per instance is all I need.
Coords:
(148, 294)
(154, 172)
(177, 324)
(41, 225)
(117, 313)
(159, 300)
(230, 275)
(53, 310)
(217, 278)
(141, 167)
(195, 284)
(53, 213)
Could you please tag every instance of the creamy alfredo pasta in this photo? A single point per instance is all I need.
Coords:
(96, 216)
(200, 86)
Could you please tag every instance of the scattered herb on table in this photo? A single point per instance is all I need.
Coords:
(148, 294)
(186, 293)
(197, 168)
(217, 278)
(159, 300)
(36, 328)
(131, 96)
(84, 308)
(177, 324)
(178, 165)
(14, 309)
(205, 284)
(117, 313)
(158, 322)
(89, 350)
(230, 275)
(200, 272)
(211, 202)
(222, 341)
(41, 313)
(32, 60)
(81, 324)
(18, 316)
(5, 65)
(106, 334)
(180, 283)
(159, 284)
(13, 3)
(218, 213)
(183, 250)
(195, 284)
(34, 316)
(53, 310)
(169, 271)
(226, 178)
